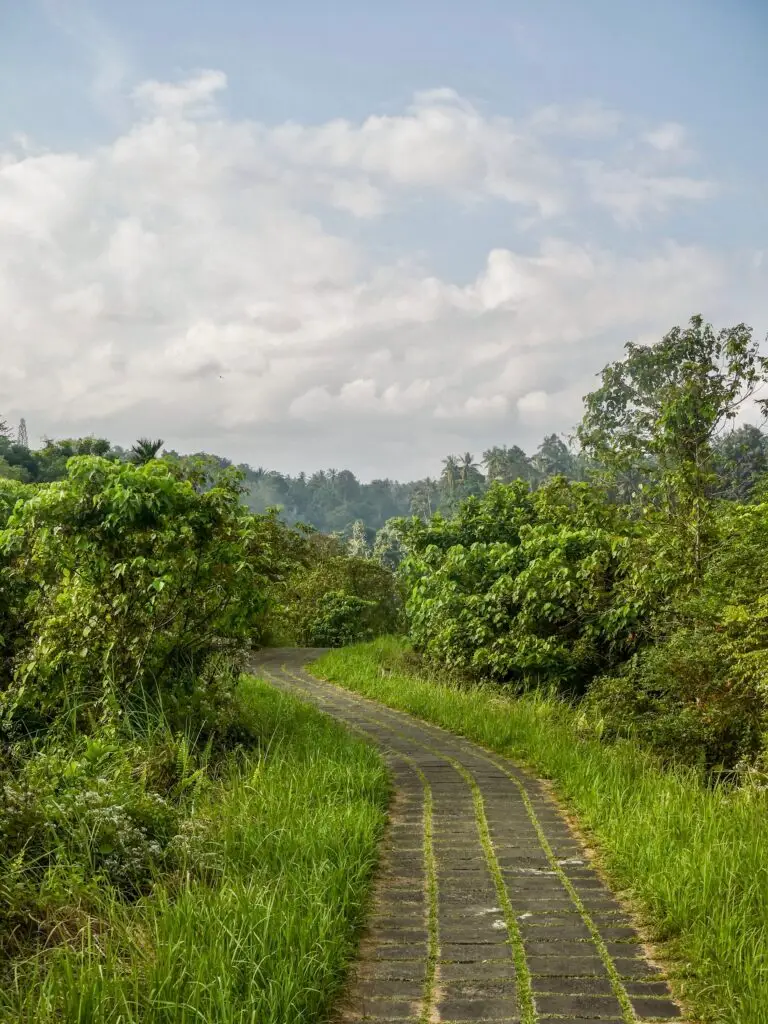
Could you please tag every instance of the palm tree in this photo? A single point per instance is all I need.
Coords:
(494, 460)
(468, 468)
(421, 498)
(145, 450)
(518, 466)
(451, 472)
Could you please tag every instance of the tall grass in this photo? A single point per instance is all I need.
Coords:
(694, 858)
(261, 927)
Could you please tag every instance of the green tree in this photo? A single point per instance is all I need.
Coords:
(469, 471)
(741, 459)
(145, 450)
(424, 499)
(388, 546)
(451, 474)
(554, 458)
(658, 411)
(128, 582)
(358, 545)
(508, 464)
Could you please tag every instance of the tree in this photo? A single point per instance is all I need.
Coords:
(659, 410)
(508, 464)
(357, 545)
(494, 460)
(145, 450)
(554, 458)
(468, 468)
(451, 473)
(388, 547)
(741, 459)
(139, 583)
(423, 501)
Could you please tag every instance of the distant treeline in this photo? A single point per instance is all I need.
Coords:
(333, 500)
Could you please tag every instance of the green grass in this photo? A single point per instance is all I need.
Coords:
(261, 933)
(694, 859)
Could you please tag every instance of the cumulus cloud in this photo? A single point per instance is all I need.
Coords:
(196, 94)
(666, 137)
(193, 279)
(629, 193)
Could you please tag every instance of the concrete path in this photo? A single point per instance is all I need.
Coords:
(486, 908)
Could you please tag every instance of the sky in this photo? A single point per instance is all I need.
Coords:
(316, 234)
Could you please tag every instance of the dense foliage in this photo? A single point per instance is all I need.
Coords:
(131, 590)
(643, 590)
(520, 584)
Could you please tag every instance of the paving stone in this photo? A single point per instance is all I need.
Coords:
(567, 966)
(646, 988)
(476, 970)
(400, 934)
(558, 985)
(398, 952)
(584, 1006)
(475, 1009)
(404, 970)
(476, 988)
(655, 1009)
(465, 951)
(554, 931)
(388, 988)
(475, 977)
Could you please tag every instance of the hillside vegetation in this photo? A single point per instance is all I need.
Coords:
(643, 591)
(176, 843)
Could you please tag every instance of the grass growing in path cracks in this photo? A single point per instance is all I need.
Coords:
(523, 975)
(430, 869)
(524, 988)
(616, 983)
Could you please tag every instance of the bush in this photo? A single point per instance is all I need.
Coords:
(698, 690)
(126, 584)
(679, 697)
(336, 596)
(79, 822)
(522, 586)
(339, 620)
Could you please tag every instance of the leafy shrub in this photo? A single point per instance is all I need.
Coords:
(681, 698)
(333, 594)
(698, 690)
(339, 619)
(522, 586)
(126, 581)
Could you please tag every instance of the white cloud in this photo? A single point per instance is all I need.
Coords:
(440, 142)
(195, 95)
(667, 137)
(629, 193)
(185, 281)
(535, 403)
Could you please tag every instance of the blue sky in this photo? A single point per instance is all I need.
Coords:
(473, 207)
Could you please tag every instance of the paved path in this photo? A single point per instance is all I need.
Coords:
(486, 908)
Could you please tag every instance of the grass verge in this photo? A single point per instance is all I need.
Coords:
(261, 926)
(694, 859)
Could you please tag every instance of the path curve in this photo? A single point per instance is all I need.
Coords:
(486, 908)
